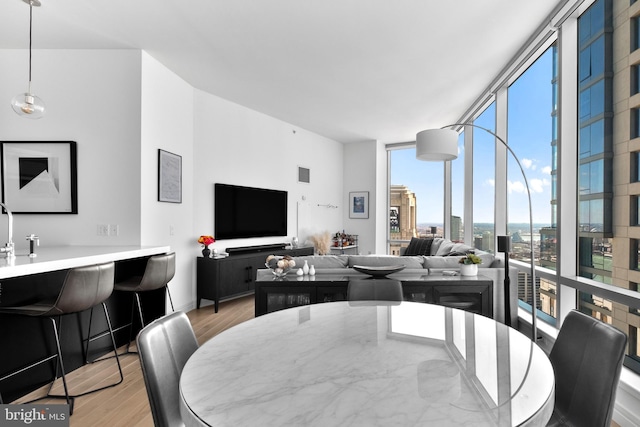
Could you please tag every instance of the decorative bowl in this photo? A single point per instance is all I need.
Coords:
(379, 271)
(280, 266)
(278, 272)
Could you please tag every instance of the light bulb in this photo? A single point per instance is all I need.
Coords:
(28, 105)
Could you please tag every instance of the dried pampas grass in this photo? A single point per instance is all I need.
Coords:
(321, 242)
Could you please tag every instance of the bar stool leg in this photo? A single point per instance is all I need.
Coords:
(61, 365)
(113, 341)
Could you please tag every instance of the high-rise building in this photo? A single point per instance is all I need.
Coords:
(402, 217)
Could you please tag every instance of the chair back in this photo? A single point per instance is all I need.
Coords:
(83, 288)
(374, 290)
(587, 359)
(164, 346)
(159, 271)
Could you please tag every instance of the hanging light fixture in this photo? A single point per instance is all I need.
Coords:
(27, 104)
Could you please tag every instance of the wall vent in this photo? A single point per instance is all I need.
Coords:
(304, 175)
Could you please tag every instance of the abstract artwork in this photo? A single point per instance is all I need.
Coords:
(39, 177)
(169, 177)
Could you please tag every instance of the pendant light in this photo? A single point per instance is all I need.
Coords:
(27, 104)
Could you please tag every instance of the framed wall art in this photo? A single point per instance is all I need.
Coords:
(169, 177)
(359, 204)
(39, 177)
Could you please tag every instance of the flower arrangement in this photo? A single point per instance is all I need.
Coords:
(206, 240)
(470, 258)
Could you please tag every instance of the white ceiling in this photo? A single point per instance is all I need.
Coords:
(351, 70)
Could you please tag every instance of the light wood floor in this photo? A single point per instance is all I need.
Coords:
(127, 404)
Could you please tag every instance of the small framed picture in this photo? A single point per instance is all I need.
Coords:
(359, 204)
(40, 177)
(169, 177)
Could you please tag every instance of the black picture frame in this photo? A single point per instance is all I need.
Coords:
(169, 177)
(40, 177)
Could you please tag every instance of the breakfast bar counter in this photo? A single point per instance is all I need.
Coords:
(25, 279)
(65, 257)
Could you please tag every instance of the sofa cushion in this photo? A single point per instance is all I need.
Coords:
(419, 246)
(445, 247)
(386, 260)
(437, 241)
(322, 261)
(442, 262)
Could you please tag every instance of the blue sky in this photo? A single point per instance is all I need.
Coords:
(529, 117)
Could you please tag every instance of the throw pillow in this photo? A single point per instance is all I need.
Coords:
(419, 246)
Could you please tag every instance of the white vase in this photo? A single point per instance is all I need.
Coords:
(312, 270)
(305, 268)
(468, 269)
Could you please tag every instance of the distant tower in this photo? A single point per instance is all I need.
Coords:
(402, 216)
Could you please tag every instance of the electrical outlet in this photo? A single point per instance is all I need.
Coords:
(102, 230)
(114, 230)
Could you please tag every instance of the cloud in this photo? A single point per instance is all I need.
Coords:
(490, 182)
(526, 163)
(535, 186)
(516, 187)
(546, 170)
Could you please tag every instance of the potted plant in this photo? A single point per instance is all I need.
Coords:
(469, 264)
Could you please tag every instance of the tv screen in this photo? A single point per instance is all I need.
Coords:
(242, 212)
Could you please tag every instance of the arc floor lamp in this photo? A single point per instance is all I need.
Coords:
(442, 144)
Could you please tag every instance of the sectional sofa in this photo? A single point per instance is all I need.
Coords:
(433, 256)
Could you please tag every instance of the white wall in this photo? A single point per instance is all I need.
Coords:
(93, 98)
(239, 146)
(121, 106)
(167, 124)
(365, 168)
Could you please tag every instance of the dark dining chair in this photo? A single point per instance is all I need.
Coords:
(164, 346)
(374, 290)
(587, 359)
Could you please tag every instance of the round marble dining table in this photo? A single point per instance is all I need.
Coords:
(368, 364)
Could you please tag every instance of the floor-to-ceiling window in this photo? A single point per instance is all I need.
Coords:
(567, 117)
(484, 176)
(532, 135)
(416, 198)
(457, 193)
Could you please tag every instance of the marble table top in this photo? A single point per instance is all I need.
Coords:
(359, 364)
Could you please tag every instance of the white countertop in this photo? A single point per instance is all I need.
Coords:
(63, 257)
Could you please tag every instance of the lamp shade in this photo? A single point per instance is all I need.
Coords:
(28, 105)
(437, 145)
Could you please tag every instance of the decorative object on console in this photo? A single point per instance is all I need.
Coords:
(321, 243)
(381, 271)
(280, 265)
(305, 268)
(359, 204)
(205, 241)
(169, 177)
(469, 264)
(40, 177)
(27, 104)
(442, 145)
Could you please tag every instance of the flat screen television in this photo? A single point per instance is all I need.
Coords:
(242, 212)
